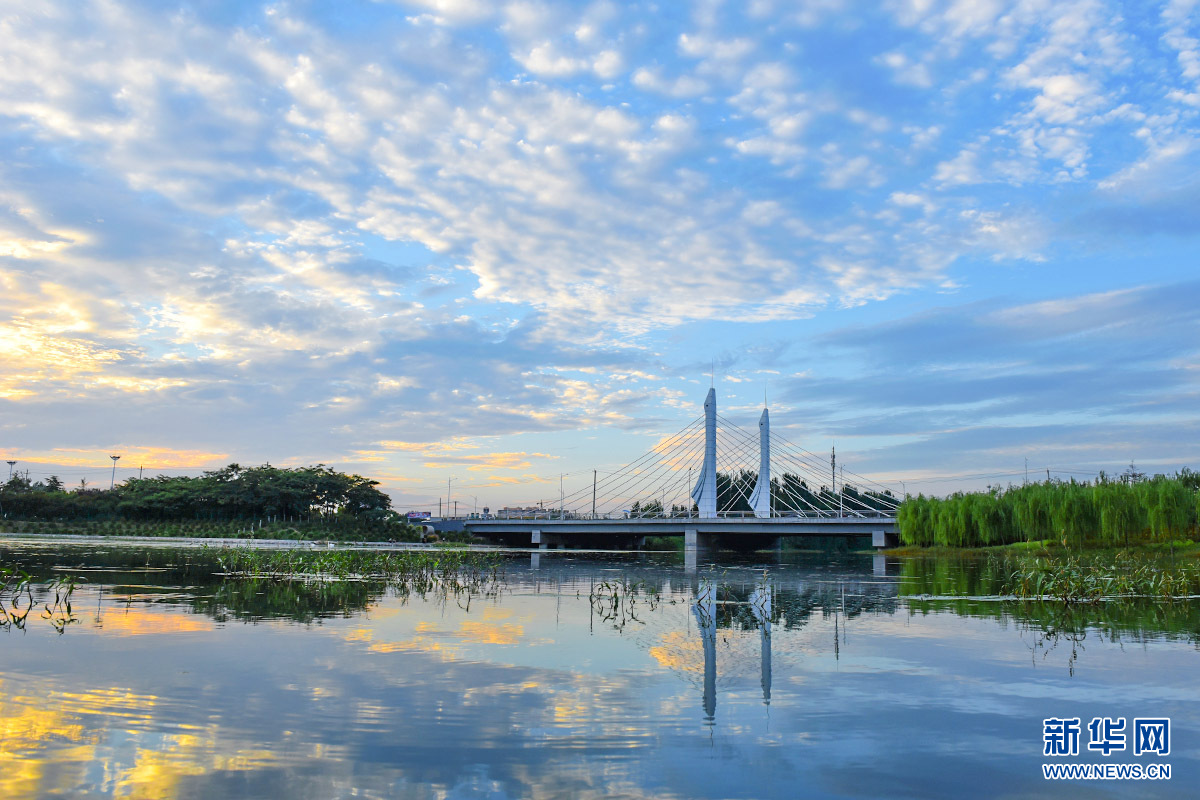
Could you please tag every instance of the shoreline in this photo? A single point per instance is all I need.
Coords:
(201, 541)
(1049, 547)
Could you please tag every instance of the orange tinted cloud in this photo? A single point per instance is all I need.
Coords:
(489, 461)
(151, 457)
(142, 623)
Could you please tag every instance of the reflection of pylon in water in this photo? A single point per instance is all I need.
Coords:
(760, 606)
(705, 610)
(706, 618)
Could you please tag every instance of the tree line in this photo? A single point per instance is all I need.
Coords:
(231, 493)
(1111, 511)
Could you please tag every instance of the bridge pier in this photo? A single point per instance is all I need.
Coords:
(882, 539)
(543, 541)
(696, 545)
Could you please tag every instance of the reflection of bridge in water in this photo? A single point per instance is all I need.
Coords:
(761, 607)
(743, 603)
(705, 610)
(715, 485)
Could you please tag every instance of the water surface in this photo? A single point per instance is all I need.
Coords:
(840, 678)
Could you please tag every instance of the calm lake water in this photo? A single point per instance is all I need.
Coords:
(833, 676)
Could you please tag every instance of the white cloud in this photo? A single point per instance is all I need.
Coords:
(608, 64)
(484, 174)
(707, 47)
(1007, 236)
(856, 172)
(652, 80)
(962, 169)
(1157, 169)
(906, 71)
(544, 59)
(453, 12)
(1180, 17)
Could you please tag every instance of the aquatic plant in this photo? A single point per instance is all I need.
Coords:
(17, 600)
(460, 572)
(1072, 580)
(616, 601)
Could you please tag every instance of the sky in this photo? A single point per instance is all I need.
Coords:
(500, 243)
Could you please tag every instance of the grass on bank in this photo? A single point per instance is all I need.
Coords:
(1106, 513)
(342, 531)
(1182, 548)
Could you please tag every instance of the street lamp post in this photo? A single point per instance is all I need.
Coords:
(112, 484)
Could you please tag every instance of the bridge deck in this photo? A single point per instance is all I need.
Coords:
(678, 526)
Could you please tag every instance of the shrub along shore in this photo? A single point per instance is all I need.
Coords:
(1106, 513)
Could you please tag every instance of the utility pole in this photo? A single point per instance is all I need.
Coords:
(439, 508)
(113, 483)
(448, 493)
(456, 509)
(139, 473)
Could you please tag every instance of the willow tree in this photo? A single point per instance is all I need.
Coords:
(1171, 514)
(1031, 512)
(1121, 513)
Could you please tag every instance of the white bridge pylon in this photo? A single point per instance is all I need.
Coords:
(760, 500)
(712, 468)
(705, 493)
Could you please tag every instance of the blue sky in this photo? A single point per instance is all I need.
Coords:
(504, 241)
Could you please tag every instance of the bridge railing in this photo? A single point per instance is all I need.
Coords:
(567, 515)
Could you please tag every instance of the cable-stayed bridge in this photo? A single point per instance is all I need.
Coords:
(715, 484)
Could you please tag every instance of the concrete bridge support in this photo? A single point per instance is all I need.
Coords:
(696, 546)
(882, 539)
(543, 541)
